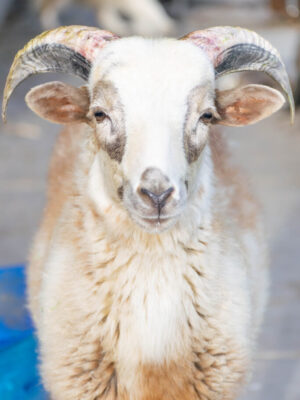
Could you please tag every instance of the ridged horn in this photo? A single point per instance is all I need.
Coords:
(233, 49)
(70, 49)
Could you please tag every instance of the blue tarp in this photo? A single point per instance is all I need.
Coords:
(19, 378)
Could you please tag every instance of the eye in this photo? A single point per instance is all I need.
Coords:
(125, 17)
(100, 116)
(206, 117)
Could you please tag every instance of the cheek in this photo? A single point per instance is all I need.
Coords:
(112, 175)
(195, 141)
(195, 172)
(112, 140)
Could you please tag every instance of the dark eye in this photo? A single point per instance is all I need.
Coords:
(206, 117)
(124, 16)
(100, 116)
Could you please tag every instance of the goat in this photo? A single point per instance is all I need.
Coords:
(125, 17)
(148, 277)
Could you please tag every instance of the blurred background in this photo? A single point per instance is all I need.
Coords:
(269, 152)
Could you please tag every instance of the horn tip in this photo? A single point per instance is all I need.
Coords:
(292, 119)
(4, 118)
(292, 110)
(4, 109)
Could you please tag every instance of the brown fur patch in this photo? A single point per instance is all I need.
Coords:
(106, 98)
(169, 382)
(201, 376)
(195, 138)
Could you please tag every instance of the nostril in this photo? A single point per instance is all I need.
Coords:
(163, 197)
(152, 196)
(158, 200)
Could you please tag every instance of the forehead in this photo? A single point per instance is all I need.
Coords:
(159, 71)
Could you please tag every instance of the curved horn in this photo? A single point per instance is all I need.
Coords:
(235, 49)
(69, 49)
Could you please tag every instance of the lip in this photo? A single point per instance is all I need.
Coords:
(155, 220)
(154, 223)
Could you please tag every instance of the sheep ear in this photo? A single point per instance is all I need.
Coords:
(58, 102)
(248, 104)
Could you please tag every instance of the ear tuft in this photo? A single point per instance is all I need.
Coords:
(59, 102)
(248, 104)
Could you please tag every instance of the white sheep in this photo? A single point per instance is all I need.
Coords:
(125, 17)
(148, 276)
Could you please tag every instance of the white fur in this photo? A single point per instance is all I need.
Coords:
(155, 107)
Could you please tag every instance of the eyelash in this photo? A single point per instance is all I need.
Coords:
(207, 117)
(100, 116)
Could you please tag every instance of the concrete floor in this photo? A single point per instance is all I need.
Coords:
(268, 151)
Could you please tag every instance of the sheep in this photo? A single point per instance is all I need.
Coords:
(148, 276)
(125, 17)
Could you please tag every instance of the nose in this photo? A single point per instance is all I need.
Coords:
(158, 199)
(155, 188)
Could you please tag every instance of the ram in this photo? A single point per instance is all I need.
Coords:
(125, 17)
(148, 276)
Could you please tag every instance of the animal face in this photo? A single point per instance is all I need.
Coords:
(151, 104)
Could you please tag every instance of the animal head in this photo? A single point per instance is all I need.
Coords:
(131, 17)
(149, 104)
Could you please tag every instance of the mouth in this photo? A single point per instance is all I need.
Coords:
(156, 220)
(155, 224)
